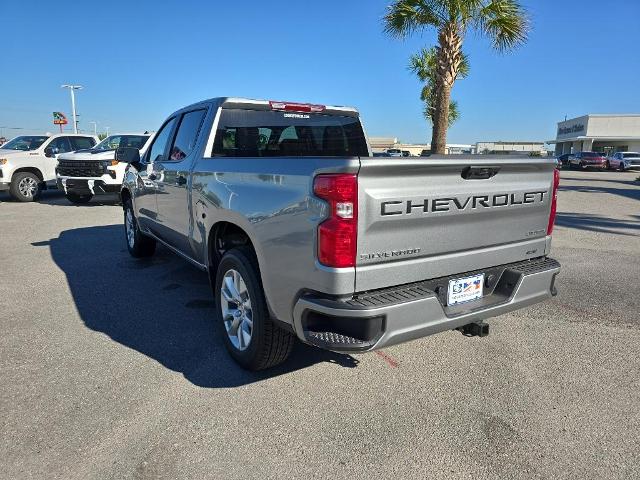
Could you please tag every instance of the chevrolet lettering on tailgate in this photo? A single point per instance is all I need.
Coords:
(427, 205)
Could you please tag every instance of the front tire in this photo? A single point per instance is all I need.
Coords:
(25, 187)
(138, 244)
(78, 199)
(252, 339)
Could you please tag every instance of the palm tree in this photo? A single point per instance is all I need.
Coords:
(424, 66)
(504, 22)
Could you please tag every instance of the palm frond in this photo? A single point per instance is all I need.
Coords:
(464, 67)
(505, 22)
(427, 92)
(405, 17)
(454, 112)
(423, 64)
(429, 111)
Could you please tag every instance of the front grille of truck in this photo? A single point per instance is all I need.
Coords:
(68, 168)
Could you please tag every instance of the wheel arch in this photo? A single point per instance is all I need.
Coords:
(223, 236)
(36, 171)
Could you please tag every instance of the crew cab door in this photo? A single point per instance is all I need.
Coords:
(172, 193)
(145, 203)
(59, 145)
(51, 151)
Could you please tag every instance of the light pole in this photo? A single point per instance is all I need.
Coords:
(73, 104)
(95, 128)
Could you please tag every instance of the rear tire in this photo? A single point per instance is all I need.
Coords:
(138, 244)
(25, 187)
(252, 339)
(78, 199)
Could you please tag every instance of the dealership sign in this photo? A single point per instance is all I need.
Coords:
(59, 118)
(575, 128)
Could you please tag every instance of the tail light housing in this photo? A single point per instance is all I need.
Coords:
(554, 201)
(338, 234)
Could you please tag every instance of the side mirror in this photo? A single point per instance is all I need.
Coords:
(50, 152)
(128, 155)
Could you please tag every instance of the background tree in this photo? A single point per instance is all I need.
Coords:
(503, 22)
(424, 66)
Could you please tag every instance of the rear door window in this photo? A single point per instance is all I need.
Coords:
(60, 145)
(81, 143)
(187, 135)
(260, 133)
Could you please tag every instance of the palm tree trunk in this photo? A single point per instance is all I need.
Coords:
(441, 120)
(449, 58)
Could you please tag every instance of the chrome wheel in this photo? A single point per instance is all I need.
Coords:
(130, 228)
(237, 314)
(28, 187)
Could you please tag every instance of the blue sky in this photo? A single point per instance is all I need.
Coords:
(139, 61)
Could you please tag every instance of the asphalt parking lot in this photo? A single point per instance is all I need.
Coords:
(110, 367)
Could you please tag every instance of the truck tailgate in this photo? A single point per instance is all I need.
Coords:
(432, 217)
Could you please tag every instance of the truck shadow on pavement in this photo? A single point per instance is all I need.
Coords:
(161, 307)
(632, 193)
(597, 223)
(57, 197)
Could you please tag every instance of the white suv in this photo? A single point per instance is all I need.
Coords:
(94, 171)
(28, 163)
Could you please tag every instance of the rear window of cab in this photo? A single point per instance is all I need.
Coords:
(259, 133)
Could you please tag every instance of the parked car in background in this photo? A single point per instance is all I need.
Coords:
(28, 163)
(623, 161)
(425, 153)
(406, 153)
(563, 160)
(304, 234)
(381, 154)
(394, 152)
(584, 160)
(95, 171)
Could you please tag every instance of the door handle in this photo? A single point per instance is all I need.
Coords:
(181, 180)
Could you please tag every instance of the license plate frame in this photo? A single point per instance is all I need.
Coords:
(465, 289)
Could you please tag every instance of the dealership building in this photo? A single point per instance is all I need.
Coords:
(496, 148)
(598, 133)
(382, 144)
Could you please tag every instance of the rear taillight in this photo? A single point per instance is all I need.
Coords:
(337, 235)
(296, 107)
(554, 201)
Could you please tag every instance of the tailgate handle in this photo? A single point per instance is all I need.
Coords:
(479, 173)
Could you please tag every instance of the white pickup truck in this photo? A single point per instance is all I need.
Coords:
(28, 163)
(94, 171)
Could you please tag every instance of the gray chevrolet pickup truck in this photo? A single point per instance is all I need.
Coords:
(305, 234)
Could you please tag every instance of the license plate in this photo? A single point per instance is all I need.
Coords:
(466, 289)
